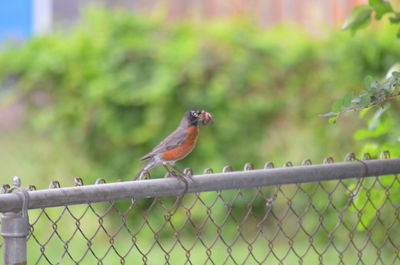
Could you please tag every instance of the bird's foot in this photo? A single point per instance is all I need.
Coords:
(174, 174)
(187, 173)
(181, 178)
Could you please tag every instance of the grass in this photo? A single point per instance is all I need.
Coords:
(38, 160)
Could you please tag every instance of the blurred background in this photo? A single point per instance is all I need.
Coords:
(23, 18)
(118, 81)
(88, 87)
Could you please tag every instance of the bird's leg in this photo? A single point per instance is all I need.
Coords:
(145, 170)
(170, 172)
(181, 178)
(178, 170)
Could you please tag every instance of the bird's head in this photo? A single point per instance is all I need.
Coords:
(196, 116)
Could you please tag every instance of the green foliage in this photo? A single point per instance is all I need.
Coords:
(359, 18)
(117, 84)
(361, 15)
(380, 7)
(375, 94)
(382, 132)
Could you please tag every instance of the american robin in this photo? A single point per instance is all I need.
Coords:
(177, 145)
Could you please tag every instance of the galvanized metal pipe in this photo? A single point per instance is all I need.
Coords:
(14, 230)
(200, 183)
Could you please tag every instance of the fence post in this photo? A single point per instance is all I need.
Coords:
(15, 229)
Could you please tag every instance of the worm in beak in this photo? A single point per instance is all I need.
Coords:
(207, 117)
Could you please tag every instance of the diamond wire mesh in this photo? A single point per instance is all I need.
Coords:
(313, 223)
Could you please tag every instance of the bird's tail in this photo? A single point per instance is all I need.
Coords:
(149, 165)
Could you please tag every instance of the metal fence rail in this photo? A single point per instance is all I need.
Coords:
(268, 216)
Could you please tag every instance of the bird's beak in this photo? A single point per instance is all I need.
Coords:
(206, 117)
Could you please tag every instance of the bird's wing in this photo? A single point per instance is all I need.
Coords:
(171, 141)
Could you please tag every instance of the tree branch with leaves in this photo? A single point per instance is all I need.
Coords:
(376, 93)
(383, 126)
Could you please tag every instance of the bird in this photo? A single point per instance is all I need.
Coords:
(177, 145)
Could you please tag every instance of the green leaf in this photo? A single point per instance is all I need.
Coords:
(337, 105)
(363, 112)
(332, 120)
(395, 19)
(374, 86)
(368, 81)
(398, 34)
(329, 114)
(347, 99)
(360, 17)
(375, 119)
(382, 128)
(381, 7)
(365, 100)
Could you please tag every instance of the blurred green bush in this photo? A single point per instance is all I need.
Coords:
(118, 83)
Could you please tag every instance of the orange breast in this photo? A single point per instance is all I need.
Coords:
(185, 148)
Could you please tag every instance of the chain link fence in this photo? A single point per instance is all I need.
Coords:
(324, 214)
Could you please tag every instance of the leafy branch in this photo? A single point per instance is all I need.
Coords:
(375, 94)
(361, 15)
(382, 132)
